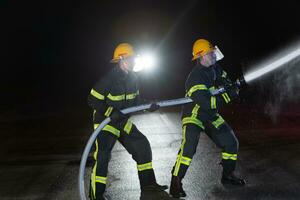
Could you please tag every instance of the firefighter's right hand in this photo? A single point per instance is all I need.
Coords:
(117, 116)
(233, 92)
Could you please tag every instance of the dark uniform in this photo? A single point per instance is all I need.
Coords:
(118, 90)
(202, 115)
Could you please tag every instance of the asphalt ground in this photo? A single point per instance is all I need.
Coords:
(40, 156)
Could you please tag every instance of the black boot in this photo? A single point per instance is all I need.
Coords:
(231, 179)
(228, 176)
(176, 189)
(162, 187)
(154, 192)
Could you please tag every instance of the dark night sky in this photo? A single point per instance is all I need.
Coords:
(54, 51)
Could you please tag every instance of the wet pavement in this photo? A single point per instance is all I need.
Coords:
(40, 157)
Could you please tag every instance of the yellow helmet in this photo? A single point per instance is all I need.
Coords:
(122, 50)
(201, 47)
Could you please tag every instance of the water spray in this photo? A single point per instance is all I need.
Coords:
(272, 66)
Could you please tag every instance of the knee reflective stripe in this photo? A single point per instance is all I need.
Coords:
(228, 156)
(100, 179)
(179, 157)
(144, 167)
(108, 111)
(213, 102)
(128, 127)
(116, 98)
(195, 111)
(195, 88)
(190, 120)
(185, 160)
(97, 95)
(226, 97)
(112, 130)
(218, 122)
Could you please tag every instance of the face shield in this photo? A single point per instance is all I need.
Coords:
(218, 53)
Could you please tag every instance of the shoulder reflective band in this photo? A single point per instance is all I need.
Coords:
(195, 88)
(112, 130)
(213, 102)
(100, 179)
(128, 127)
(145, 166)
(218, 122)
(108, 111)
(224, 74)
(185, 160)
(97, 95)
(116, 98)
(226, 97)
(228, 156)
(190, 120)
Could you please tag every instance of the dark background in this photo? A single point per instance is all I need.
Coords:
(54, 51)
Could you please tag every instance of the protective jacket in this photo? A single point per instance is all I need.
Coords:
(204, 108)
(117, 90)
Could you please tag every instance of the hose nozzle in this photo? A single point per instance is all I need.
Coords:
(240, 82)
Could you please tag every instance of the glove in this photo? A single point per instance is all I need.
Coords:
(154, 106)
(233, 92)
(117, 116)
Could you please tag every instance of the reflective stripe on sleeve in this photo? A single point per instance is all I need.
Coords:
(195, 88)
(97, 94)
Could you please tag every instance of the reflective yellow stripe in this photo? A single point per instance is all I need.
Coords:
(226, 94)
(145, 166)
(128, 127)
(195, 111)
(93, 180)
(100, 179)
(213, 103)
(218, 122)
(97, 95)
(108, 111)
(226, 97)
(95, 126)
(116, 98)
(109, 128)
(185, 160)
(96, 151)
(190, 120)
(112, 130)
(178, 163)
(212, 88)
(131, 96)
(195, 88)
(228, 156)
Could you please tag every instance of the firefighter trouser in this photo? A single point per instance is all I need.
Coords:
(222, 136)
(134, 142)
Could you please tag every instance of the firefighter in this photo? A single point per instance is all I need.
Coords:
(202, 116)
(116, 91)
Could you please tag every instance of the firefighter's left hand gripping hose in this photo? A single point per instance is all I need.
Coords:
(93, 137)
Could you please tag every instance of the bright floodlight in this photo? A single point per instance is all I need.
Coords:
(142, 62)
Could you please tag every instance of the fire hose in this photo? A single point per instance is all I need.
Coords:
(93, 137)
